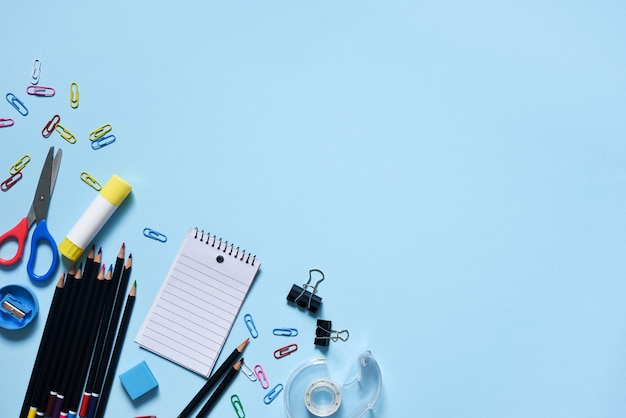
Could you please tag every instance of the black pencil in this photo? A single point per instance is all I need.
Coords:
(108, 345)
(45, 346)
(219, 373)
(117, 351)
(232, 373)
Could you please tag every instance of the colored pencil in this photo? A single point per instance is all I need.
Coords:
(232, 373)
(215, 377)
(117, 351)
(108, 345)
(45, 345)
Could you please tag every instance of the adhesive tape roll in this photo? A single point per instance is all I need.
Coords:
(310, 392)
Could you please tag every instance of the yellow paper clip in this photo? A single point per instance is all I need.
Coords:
(100, 132)
(21, 163)
(65, 134)
(74, 95)
(90, 180)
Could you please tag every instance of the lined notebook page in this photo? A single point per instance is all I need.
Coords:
(198, 302)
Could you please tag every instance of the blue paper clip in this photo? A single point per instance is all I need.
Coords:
(34, 77)
(151, 233)
(250, 324)
(272, 394)
(285, 332)
(238, 406)
(102, 142)
(17, 104)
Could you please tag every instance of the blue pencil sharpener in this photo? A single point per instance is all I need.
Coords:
(18, 306)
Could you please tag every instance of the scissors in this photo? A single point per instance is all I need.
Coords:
(37, 214)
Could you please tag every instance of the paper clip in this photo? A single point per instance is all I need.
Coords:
(273, 393)
(250, 324)
(90, 180)
(260, 374)
(65, 134)
(34, 77)
(41, 91)
(100, 132)
(285, 332)
(245, 369)
(49, 128)
(102, 142)
(21, 163)
(8, 183)
(305, 298)
(74, 95)
(238, 406)
(285, 351)
(6, 122)
(151, 233)
(324, 333)
(17, 104)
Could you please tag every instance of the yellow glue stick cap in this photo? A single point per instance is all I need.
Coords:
(70, 250)
(115, 190)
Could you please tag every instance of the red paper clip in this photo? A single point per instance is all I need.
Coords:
(260, 374)
(8, 183)
(285, 351)
(49, 128)
(6, 122)
(41, 91)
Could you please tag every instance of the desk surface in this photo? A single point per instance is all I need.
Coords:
(457, 171)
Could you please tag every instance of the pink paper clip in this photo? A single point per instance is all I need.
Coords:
(285, 351)
(49, 128)
(41, 91)
(6, 122)
(8, 183)
(260, 374)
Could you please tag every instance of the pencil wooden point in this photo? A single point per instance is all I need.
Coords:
(243, 345)
(129, 261)
(237, 365)
(61, 281)
(79, 272)
(98, 256)
(120, 253)
(72, 269)
(91, 251)
(109, 273)
(101, 273)
(133, 290)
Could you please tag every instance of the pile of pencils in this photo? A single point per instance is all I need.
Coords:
(81, 341)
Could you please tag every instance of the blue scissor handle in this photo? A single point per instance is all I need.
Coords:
(41, 233)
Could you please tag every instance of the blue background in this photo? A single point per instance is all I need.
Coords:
(457, 170)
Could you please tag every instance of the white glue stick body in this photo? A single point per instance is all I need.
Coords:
(110, 197)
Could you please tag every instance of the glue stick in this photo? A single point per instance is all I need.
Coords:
(110, 197)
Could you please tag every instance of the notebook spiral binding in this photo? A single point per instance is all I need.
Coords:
(224, 246)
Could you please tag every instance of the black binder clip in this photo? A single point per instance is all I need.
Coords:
(305, 298)
(324, 333)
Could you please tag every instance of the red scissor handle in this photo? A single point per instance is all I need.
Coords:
(18, 233)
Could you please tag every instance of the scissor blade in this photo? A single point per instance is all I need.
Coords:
(49, 171)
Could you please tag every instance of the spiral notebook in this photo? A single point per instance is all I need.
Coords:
(198, 302)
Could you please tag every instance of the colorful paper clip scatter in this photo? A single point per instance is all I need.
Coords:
(245, 369)
(285, 351)
(19, 164)
(238, 406)
(6, 122)
(100, 132)
(304, 298)
(102, 142)
(285, 332)
(10, 182)
(250, 325)
(41, 91)
(90, 180)
(49, 128)
(155, 235)
(273, 393)
(260, 374)
(34, 76)
(65, 133)
(74, 95)
(17, 104)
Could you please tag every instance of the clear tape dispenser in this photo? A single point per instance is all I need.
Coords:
(310, 391)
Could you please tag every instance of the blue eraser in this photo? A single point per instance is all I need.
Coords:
(138, 380)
